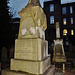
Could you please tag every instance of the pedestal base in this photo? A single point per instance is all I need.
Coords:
(49, 71)
(34, 67)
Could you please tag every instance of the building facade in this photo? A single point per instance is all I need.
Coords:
(68, 21)
(65, 15)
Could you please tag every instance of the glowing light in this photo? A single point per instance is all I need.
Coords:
(64, 21)
(65, 32)
(72, 32)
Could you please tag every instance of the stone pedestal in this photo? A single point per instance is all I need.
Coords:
(31, 49)
(31, 58)
(59, 53)
(33, 67)
(50, 71)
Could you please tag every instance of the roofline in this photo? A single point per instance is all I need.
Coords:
(61, 3)
(67, 3)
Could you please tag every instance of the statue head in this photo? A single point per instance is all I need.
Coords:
(35, 2)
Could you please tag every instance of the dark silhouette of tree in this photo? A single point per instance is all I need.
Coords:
(5, 25)
(5, 20)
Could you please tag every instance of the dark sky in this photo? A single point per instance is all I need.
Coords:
(17, 5)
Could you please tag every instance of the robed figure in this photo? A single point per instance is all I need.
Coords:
(33, 21)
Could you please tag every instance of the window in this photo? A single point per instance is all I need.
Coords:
(65, 32)
(64, 10)
(72, 32)
(51, 7)
(64, 21)
(71, 10)
(71, 20)
(51, 19)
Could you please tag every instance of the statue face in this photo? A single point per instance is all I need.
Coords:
(34, 1)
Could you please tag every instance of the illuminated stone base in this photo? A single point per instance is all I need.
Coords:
(34, 67)
(49, 71)
(31, 49)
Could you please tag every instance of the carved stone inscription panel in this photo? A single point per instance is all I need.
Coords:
(30, 49)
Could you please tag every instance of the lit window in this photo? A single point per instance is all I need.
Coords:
(64, 10)
(51, 19)
(72, 32)
(71, 10)
(65, 32)
(51, 7)
(64, 21)
(71, 20)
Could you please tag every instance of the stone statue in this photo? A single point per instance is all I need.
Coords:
(33, 21)
(57, 30)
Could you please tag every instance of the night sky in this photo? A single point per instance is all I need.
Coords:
(17, 5)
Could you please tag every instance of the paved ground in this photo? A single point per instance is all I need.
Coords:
(59, 73)
(68, 72)
(71, 72)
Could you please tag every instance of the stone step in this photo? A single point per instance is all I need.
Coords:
(34, 67)
(49, 71)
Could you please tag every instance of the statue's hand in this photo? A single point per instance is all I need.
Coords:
(23, 31)
(32, 30)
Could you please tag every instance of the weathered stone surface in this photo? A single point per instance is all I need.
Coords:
(33, 67)
(49, 71)
(32, 20)
(59, 54)
(31, 49)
